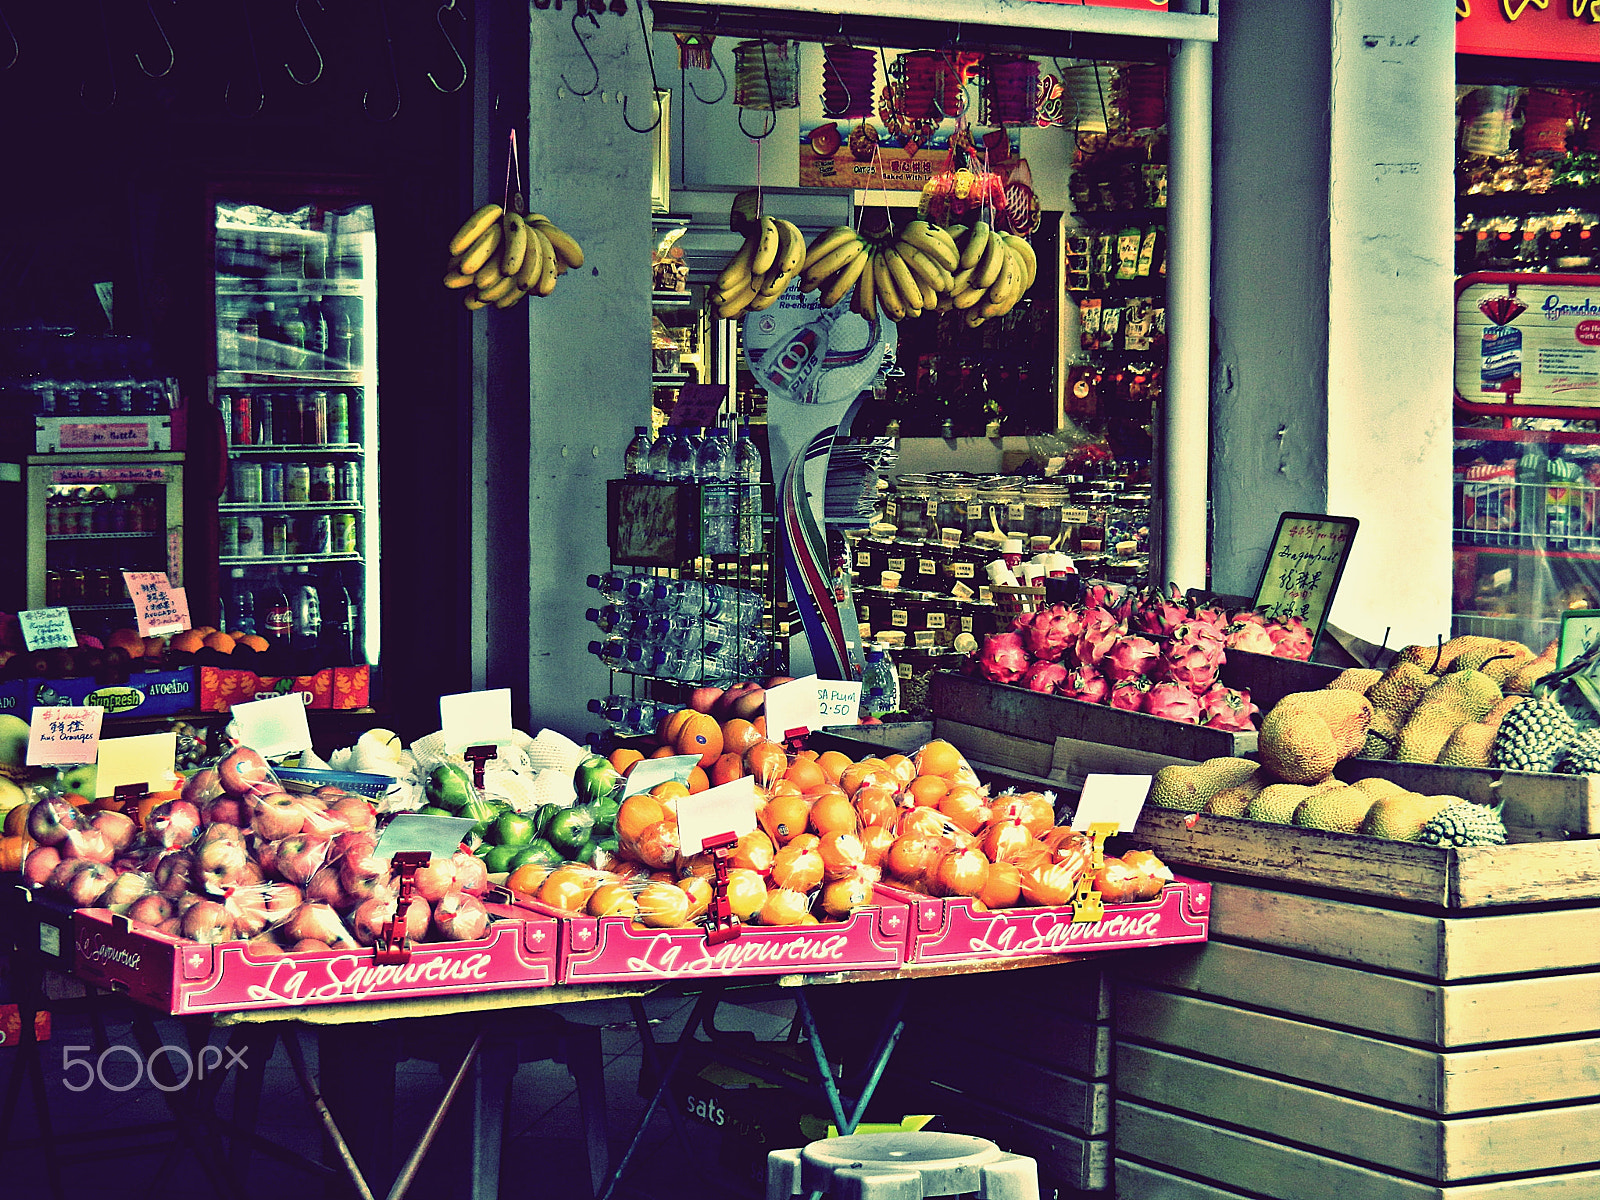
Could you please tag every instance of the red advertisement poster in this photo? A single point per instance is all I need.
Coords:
(1528, 29)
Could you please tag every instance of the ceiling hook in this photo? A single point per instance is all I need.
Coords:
(255, 62)
(172, 57)
(311, 41)
(593, 66)
(16, 46)
(438, 17)
(717, 63)
(394, 72)
(655, 86)
(111, 70)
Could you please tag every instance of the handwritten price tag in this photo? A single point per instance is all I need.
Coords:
(838, 703)
(1111, 800)
(811, 703)
(64, 735)
(47, 629)
(156, 609)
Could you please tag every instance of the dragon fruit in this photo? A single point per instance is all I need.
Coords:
(1020, 622)
(1248, 635)
(1044, 677)
(1192, 658)
(1052, 630)
(1129, 695)
(1085, 683)
(1212, 618)
(1130, 657)
(1098, 633)
(1003, 659)
(1156, 613)
(1118, 601)
(1290, 638)
(1226, 708)
(1173, 701)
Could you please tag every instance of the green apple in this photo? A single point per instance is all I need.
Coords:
(450, 786)
(80, 779)
(511, 829)
(569, 830)
(13, 740)
(596, 779)
(433, 810)
(499, 858)
(536, 851)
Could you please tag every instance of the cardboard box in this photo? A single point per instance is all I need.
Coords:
(146, 694)
(331, 687)
(615, 950)
(950, 929)
(178, 976)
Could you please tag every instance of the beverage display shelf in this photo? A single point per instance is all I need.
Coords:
(282, 379)
(240, 285)
(269, 450)
(239, 560)
(1530, 551)
(672, 299)
(293, 506)
(665, 378)
(96, 537)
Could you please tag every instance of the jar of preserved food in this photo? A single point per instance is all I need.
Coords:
(956, 508)
(916, 505)
(1043, 504)
(1001, 511)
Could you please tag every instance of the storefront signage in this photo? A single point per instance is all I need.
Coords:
(1527, 344)
(1558, 29)
(1303, 567)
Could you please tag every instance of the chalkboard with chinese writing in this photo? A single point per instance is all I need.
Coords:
(1303, 567)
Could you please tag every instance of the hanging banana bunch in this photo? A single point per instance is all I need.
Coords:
(498, 256)
(760, 272)
(995, 269)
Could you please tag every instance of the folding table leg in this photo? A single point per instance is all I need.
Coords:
(297, 1059)
(193, 1128)
(492, 1073)
(586, 1062)
(403, 1182)
(893, 1027)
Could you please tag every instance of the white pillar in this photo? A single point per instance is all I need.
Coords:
(1185, 426)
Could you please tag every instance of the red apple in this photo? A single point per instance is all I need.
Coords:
(460, 918)
(276, 815)
(91, 883)
(51, 819)
(218, 864)
(40, 865)
(324, 888)
(150, 910)
(299, 857)
(207, 921)
(119, 827)
(242, 769)
(172, 927)
(127, 889)
(775, 680)
(172, 873)
(357, 812)
(702, 698)
(869, 720)
(202, 787)
(748, 704)
(471, 874)
(61, 878)
(173, 824)
(722, 709)
(88, 843)
(309, 946)
(264, 947)
(436, 879)
(233, 811)
(371, 916)
(318, 922)
(263, 852)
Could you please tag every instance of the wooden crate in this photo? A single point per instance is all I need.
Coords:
(1538, 807)
(1027, 1065)
(1269, 678)
(1321, 1046)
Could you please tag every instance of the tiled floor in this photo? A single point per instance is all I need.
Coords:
(544, 1150)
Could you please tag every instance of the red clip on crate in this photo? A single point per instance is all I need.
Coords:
(178, 976)
(951, 930)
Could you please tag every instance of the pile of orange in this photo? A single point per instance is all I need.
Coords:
(829, 828)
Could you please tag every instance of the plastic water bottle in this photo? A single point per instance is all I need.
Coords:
(747, 475)
(629, 717)
(620, 654)
(680, 459)
(241, 604)
(612, 584)
(660, 450)
(880, 685)
(636, 458)
(338, 624)
(718, 503)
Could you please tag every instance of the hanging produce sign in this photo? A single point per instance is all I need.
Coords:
(1528, 29)
(1527, 344)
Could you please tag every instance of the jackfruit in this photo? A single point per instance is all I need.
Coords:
(1277, 804)
(1379, 788)
(1233, 801)
(1468, 746)
(1306, 733)
(1188, 786)
(1338, 810)
(1499, 662)
(1397, 693)
(1377, 746)
(1439, 659)
(1356, 679)
(1401, 818)
(1529, 674)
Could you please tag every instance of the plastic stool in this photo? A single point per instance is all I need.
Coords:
(901, 1166)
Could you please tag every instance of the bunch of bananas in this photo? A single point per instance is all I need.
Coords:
(498, 256)
(993, 273)
(760, 272)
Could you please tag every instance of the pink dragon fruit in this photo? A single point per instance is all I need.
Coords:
(1129, 695)
(1118, 601)
(1191, 663)
(1099, 631)
(1212, 618)
(1173, 701)
(1085, 683)
(1130, 657)
(1003, 659)
(1044, 677)
(1225, 708)
(1052, 630)
(1020, 622)
(1290, 638)
(1158, 614)
(1251, 636)
(1248, 616)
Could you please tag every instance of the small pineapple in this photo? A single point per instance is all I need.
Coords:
(1583, 756)
(1533, 736)
(1463, 823)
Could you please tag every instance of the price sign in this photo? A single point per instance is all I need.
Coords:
(47, 628)
(145, 759)
(730, 808)
(1303, 567)
(476, 718)
(274, 727)
(409, 833)
(791, 708)
(652, 772)
(1111, 800)
(61, 736)
(698, 404)
(156, 609)
(838, 703)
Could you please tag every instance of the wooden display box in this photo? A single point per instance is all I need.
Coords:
(1323, 1046)
(1269, 678)
(1538, 807)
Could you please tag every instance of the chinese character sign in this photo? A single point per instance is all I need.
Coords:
(159, 610)
(1303, 566)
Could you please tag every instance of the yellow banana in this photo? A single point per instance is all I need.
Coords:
(455, 279)
(488, 275)
(481, 250)
(532, 260)
(764, 301)
(470, 299)
(472, 228)
(785, 262)
(792, 255)
(736, 275)
(1030, 260)
(905, 283)
(973, 318)
(827, 243)
(506, 285)
(888, 297)
(932, 242)
(811, 278)
(865, 302)
(841, 281)
(547, 266)
(977, 242)
(766, 251)
(730, 308)
(511, 297)
(921, 265)
(513, 244)
(1005, 292)
(565, 245)
(993, 262)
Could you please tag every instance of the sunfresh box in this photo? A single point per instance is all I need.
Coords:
(146, 694)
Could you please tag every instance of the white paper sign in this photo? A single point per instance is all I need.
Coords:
(67, 735)
(414, 833)
(730, 808)
(47, 629)
(273, 727)
(157, 610)
(838, 702)
(649, 772)
(792, 706)
(146, 759)
(476, 718)
(1108, 798)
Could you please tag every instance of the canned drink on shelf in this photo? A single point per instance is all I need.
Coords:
(322, 483)
(319, 535)
(338, 418)
(262, 425)
(242, 426)
(228, 536)
(245, 486)
(251, 537)
(272, 483)
(276, 536)
(297, 483)
(52, 587)
(314, 418)
(348, 485)
(344, 533)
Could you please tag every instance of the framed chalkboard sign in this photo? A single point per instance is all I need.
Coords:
(1303, 567)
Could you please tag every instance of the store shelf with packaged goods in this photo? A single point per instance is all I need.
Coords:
(270, 451)
(99, 537)
(239, 560)
(285, 506)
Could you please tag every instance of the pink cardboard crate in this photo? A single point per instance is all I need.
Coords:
(615, 950)
(179, 976)
(951, 930)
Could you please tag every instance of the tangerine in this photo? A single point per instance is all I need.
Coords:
(219, 642)
(784, 817)
(782, 907)
(1053, 883)
(806, 841)
(753, 852)
(926, 822)
(842, 854)
(875, 843)
(901, 767)
(698, 781)
(727, 768)
(965, 808)
(612, 900)
(527, 879)
(767, 761)
(1032, 809)
(842, 897)
(747, 892)
(798, 868)
(1006, 839)
(667, 751)
(663, 905)
(623, 758)
(805, 774)
(876, 806)
(962, 873)
(910, 858)
(669, 790)
(833, 813)
(832, 763)
(657, 846)
(637, 813)
(187, 642)
(255, 641)
(1003, 888)
(938, 757)
(700, 734)
(738, 735)
(698, 889)
(667, 730)
(569, 888)
(927, 789)
(783, 787)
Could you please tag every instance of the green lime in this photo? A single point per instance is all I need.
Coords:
(536, 851)
(569, 829)
(450, 786)
(499, 858)
(511, 829)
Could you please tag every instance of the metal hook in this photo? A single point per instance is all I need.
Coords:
(172, 57)
(255, 61)
(593, 66)
(16, 46)
(766, 71)
(717, 63)
(438, 17)
(394, 72)
(315, 49)
(111, 70)
(655, 86)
